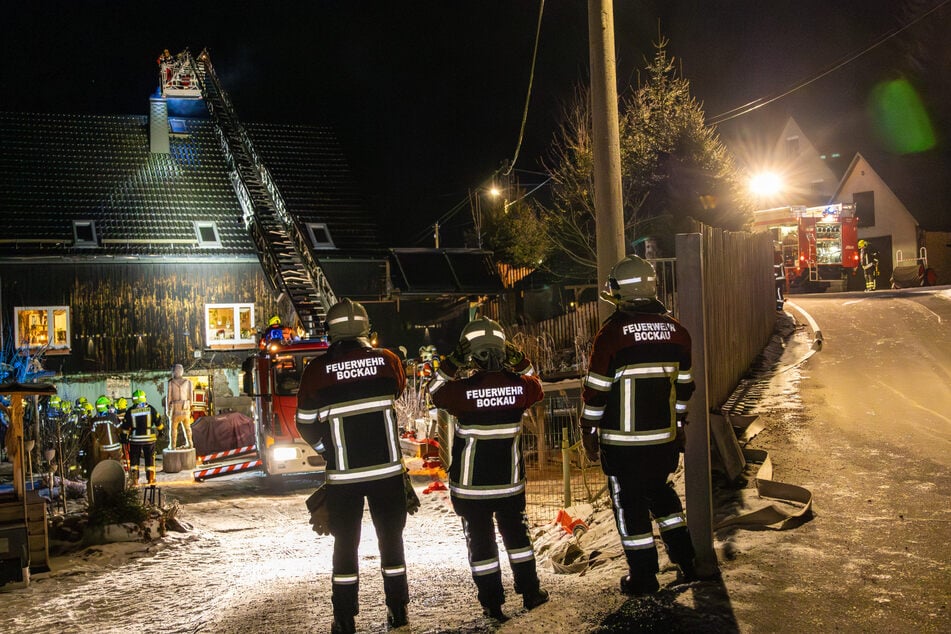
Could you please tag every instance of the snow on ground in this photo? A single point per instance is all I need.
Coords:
(250, 563)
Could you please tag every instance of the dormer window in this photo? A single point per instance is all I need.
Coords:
(320, 235)
(84, 234)
(207, 232)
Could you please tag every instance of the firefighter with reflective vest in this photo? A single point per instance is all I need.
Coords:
(635, 405)
(486, 476)
(105, 432)
(869, 261)
(346, 404)
(141, 423)
(122, 406)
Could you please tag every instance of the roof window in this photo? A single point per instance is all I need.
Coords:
(208, 236)
(320, 235)
(84, 234)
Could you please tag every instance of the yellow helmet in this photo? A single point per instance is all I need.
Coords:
(274, 321)
(862, 244)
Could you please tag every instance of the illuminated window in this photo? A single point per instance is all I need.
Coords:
(320, 235)
(229, 325)
(207, 233)
(39, 327)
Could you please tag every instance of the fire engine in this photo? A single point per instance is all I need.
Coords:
(272, 378)
(816, 245)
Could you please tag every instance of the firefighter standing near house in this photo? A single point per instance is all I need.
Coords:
(635, 405)
(105, 433)
(869, 260)
(346, 403)
(122, 406)
(141, 423)
(486, 476)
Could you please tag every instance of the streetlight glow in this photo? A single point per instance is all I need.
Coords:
(765, 184)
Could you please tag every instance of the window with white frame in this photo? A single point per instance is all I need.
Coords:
(207, 233)
(42, 327)
(229, 325)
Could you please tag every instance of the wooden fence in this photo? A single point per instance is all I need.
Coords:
(740, 312)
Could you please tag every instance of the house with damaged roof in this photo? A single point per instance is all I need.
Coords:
(134, 242)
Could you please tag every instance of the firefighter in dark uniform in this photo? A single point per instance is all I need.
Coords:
(122, 406)
(105, 433)
(346, 402)
(635, 405)
(869, 260)
(486, 476)
(141, 423)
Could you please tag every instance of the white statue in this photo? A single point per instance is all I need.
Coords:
(178, 407)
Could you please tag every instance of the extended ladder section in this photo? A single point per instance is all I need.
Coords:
(281, 245)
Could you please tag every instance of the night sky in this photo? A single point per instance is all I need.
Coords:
(427, 96)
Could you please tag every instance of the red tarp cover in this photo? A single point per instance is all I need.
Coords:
(222, 432)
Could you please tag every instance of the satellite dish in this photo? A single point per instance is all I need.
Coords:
(107, 479)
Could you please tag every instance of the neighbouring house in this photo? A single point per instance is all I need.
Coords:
(899, 213)
(886, 222)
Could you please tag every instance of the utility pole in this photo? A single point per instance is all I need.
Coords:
(605, 138)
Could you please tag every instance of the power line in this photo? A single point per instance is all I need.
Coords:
(763, 101)
(528, 96)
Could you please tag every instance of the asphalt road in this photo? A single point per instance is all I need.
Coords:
(873, 443)
(884, 373)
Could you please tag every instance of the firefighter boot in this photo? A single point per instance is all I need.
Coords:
(535, 598)
(134, 476)
(343, 625)
(150, 474)
(396, 616)
(639, 585)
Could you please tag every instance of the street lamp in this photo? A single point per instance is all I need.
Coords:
(765, 184)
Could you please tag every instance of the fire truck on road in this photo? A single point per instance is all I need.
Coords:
(272, 378)
(817, 246)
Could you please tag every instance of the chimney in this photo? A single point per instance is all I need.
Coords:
(158, 125)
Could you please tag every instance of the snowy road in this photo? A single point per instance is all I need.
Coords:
(252, 564)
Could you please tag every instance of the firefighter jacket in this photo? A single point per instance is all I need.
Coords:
(105, 434)
(140, 423)
(346, 402)
(638, 381)
(486, 449)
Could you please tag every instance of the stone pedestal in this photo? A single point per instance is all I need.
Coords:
(175, 460)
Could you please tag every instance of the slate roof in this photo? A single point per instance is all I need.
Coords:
(56, 169)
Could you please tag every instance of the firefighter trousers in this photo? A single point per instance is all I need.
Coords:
(477, 523)
(146, 451)
(387, 501)
(638, 497)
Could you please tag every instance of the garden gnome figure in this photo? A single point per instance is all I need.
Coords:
(178, 406)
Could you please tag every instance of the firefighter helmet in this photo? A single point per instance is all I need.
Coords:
(347, 320)
(55, 402)
(103, 403)
(87, 408)
(632, 280)
(81, 401)
(486, 341)
(862, 244)
(274, 321)
(122, 404)
(138, 396)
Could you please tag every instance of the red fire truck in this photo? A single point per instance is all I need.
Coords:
(817, 246)
(272, 378)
